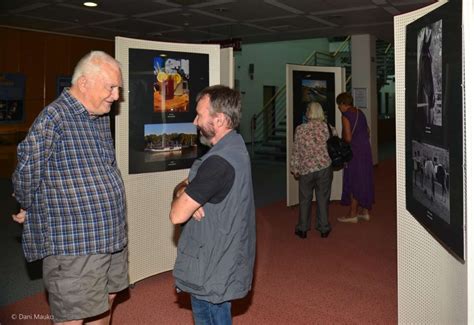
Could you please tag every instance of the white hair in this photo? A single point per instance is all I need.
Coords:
(90, 64)
(314, 111)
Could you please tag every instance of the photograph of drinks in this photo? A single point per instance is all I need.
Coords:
(171, 88)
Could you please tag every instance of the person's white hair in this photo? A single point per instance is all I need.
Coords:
(90, 64)
(314, 111)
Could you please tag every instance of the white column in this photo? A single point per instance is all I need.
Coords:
(364, 81)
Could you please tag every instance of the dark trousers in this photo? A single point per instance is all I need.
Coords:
(320, 182)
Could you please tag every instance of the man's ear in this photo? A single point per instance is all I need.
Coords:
(82, 83)
(220, 119)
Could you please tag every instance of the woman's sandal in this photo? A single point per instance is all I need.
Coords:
(348, 219)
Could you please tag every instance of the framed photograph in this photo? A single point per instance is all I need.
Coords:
(163, 86)
(61, 83)
(170, 143)
(313, 86)
(12, 93)
(171, 90)
(434, 125)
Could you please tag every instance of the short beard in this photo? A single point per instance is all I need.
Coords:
(206, 134)
(205, 141)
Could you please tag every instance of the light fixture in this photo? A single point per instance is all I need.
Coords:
(90, 4)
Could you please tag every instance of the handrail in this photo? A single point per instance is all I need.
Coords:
(270, 101)
(346, 41)
(281, 89)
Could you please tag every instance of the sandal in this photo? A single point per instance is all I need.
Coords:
(348, 219)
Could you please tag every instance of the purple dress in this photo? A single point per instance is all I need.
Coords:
(358, 178)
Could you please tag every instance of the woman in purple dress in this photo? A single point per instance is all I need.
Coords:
(358, 178)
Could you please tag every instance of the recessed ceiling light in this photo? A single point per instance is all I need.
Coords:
(90, 4)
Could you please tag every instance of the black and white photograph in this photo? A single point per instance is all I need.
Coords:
(431, 178)
(434, 125)
(429, 92)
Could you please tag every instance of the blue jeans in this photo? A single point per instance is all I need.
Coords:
(206, 313)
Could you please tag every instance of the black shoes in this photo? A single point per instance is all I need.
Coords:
(300, 233)
(325, 234)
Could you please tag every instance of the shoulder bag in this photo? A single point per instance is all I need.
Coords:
(339, 151)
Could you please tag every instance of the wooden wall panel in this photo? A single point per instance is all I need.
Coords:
(32, 63)
(9, 48)
(81, 46)
(42, 57)
(32, 108)
(56, 63)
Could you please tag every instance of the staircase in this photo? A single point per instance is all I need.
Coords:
(268, 127)
(385, 62)
(268, 138)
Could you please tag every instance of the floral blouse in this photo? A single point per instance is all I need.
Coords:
(309, 148)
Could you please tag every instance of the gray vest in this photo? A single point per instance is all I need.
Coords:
(216, 255)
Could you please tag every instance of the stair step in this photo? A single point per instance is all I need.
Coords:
(279, 145)
(270, 153)
(281, 137)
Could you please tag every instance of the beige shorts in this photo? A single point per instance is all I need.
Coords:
(79, 286)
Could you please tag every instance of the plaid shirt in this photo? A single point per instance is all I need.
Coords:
(68, 182)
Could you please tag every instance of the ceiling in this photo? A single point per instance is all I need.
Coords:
(196, 21)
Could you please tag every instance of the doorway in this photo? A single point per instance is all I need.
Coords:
(269, 110)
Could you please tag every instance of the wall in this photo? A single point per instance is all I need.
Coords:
(41, 57)
(269, 60)
(364, 77)
(432, 284)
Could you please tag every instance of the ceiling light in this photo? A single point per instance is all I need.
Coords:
(90, 4)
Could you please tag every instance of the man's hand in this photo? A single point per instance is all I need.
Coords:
(20, 216)
(198, 214)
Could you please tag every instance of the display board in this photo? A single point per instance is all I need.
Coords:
(152, 237)
(305, 84)
(432, 283)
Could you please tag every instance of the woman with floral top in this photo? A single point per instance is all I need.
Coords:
(311, 165)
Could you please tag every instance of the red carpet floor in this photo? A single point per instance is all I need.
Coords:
(348, 278)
